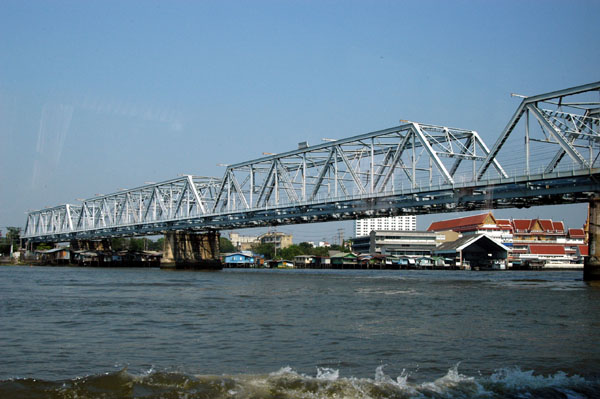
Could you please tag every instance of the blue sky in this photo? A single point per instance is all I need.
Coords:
(100, 95)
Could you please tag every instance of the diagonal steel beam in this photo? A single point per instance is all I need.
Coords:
(519, 112)
(397, 160)
(288, 186)
(238, 189)
(322, 174)
(432, 154)
(264, 189)
(562, 140)
(349, 167)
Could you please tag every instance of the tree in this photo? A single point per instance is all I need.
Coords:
(157, 245)
(225, 245)
(43, 246)
(340, 248)
(137, 244)
(292, 251)
(320, 251)
(119, 244)
(268, 250)
(306, 247)
(13, 237)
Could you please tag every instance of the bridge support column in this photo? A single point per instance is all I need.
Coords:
(591, 265)
(89, 245)
(186, 250)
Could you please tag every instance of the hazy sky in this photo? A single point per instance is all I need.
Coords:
(100, 95)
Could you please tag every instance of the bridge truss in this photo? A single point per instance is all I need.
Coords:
(409, 169)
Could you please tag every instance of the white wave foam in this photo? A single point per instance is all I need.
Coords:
(288, 383)
(327, 374)
(282, 371)
(515, 378)
(376, 291)
(453, 380)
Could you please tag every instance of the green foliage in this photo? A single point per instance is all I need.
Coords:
(43, 246)
(319, 251)
(306, 247)
(225, 245)
(268, 250)
(13, 233)
(290, 252)
(336, 247)
(137, 244)
(13, 236)
(119, 244)
(156, 245)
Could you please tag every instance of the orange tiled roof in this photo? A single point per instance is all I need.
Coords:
(584, 250)
(505, 223)
(459, 224)
(522, 224)
(538, 249)
(559, 227)
(576, 233)
(546, 225)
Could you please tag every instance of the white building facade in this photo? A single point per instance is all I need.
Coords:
(363, 227)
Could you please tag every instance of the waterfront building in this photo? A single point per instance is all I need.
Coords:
(524, 238)
(242, 243)
(396, 243)
(363, 227)
(239, 259)
(343, 260)
(474, 251)
(245, 243)
(278, 239)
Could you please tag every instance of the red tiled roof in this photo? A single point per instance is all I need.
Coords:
(559, 227)
(546, 225)
(576, 233)
(459, 224)
(522, 224)
(504, 223)
(584, 250)
(538, 249)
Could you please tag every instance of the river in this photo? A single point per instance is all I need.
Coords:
(69, 332)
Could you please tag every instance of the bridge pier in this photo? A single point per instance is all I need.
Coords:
(591, 265)
(89, 245)
(187, 250)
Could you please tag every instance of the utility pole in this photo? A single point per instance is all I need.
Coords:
(341, 237)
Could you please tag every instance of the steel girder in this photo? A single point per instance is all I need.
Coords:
(372, 164)
(369, 164)
(409, 169)
(555, 188)
(184, 197)
(568, 122)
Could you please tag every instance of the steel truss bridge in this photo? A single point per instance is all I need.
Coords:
(548, 153)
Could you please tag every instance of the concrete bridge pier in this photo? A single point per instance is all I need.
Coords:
(591, 266)
(188, 250)
(90, 245)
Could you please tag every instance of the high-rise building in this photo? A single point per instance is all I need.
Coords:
(363, 227)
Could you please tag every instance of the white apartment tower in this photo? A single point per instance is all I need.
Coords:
(363, 227)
